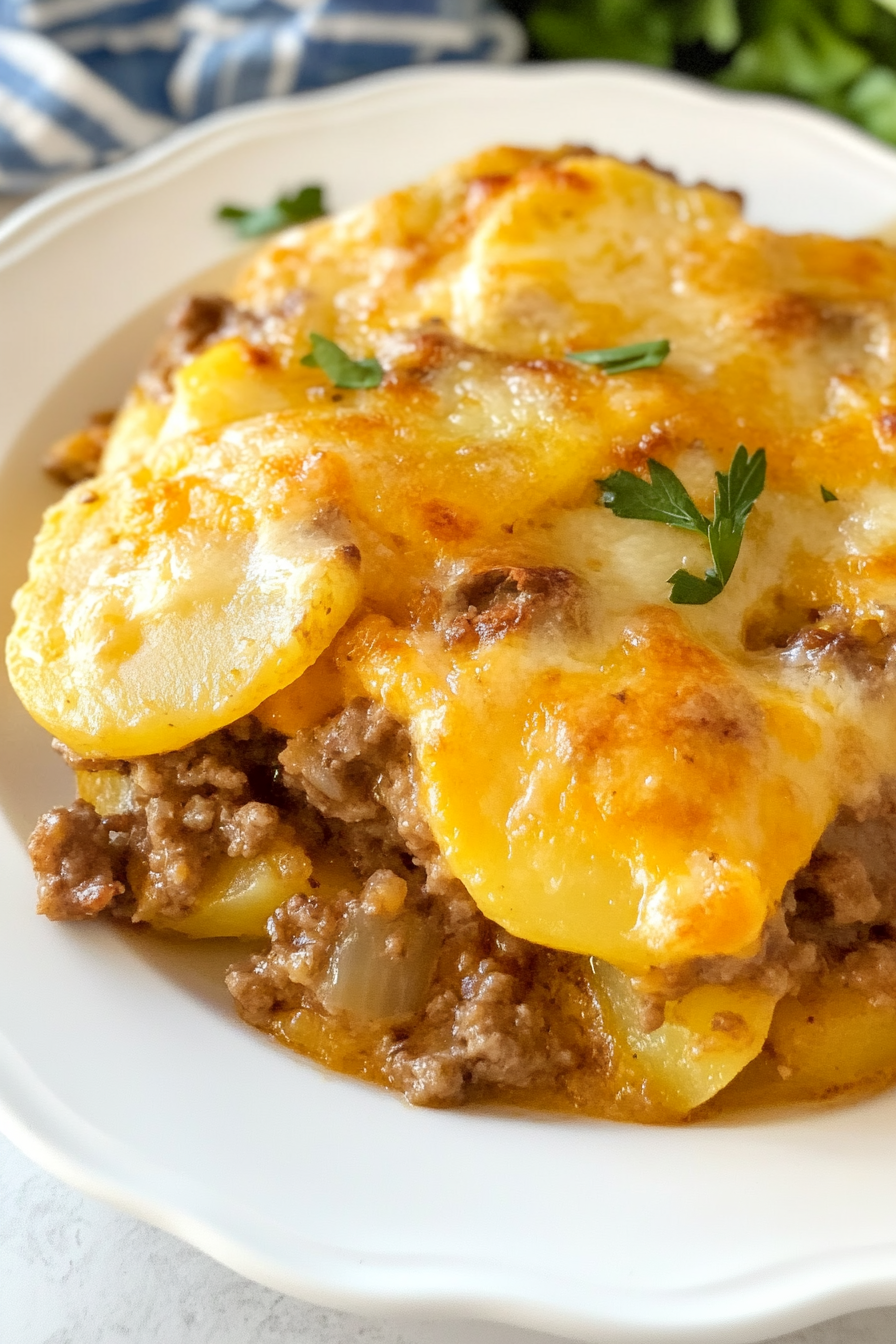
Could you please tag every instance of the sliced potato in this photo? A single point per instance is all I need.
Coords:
(240, 895)
(628, 820)
(830, 1040)
(134, 431)
(315, 695)
(227, 383)
(708, 1036)
(109, 792)
(168, 600)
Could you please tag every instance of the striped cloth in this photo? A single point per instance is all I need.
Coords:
(84, 82)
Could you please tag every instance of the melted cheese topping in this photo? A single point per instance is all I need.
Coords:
(608, 773)
(166, 600)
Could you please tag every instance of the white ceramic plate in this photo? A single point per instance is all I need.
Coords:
(122, 1065)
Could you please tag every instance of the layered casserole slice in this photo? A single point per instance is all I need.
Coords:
(490, 608)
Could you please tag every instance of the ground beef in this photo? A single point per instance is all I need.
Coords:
(488, 605)
(196, 322)
(490, 1019)
(76, 863)
(485, 1019)
(77, 456)
(488, 1024)
(200, 321)
(838, 915)
(357, 769)
(866, 651)
(818, 637)
(303, 934)
(871, 969)
(191, 807)
(195, 805)
(340, 766)
(841, 879)
(75, 761)
(249, 830)
(846, 898)
(493, 1014)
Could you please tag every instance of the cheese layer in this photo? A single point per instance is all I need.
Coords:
(606, 773)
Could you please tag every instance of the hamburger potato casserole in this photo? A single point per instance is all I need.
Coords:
(489, 608)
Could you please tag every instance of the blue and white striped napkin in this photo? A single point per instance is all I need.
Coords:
(84, 82)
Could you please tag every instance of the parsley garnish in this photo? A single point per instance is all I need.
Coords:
(624, 358)
(663, 499)
(827, 495)
(340, 368)
(307, 203)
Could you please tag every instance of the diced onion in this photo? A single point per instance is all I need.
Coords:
(381, 967)
(109, 791)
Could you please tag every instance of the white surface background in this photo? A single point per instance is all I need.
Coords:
(75, 1272)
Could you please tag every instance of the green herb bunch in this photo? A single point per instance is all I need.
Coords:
(838, 54)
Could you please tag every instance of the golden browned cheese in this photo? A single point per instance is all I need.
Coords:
(607, 773)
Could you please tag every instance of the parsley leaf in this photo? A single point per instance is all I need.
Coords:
(624, 358)
(662, 499)
(691, 591)
(828, 495)
(306, 203)
(665, 500)
(340, 368)
(738, 490)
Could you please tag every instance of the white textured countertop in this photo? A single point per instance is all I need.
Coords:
(75, 1272)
